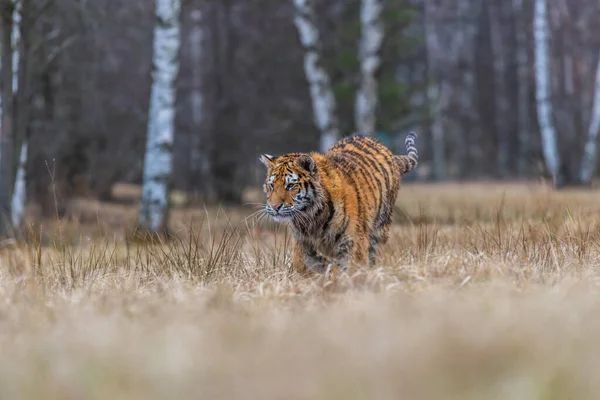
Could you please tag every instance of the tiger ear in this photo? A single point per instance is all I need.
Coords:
(308, 163)
(267, 160)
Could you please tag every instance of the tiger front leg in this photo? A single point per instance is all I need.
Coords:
(352, 251)
(298, 263)
(360, 252)
(305, 259)
(378, 238)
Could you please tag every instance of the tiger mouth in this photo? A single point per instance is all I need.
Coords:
(282, 214)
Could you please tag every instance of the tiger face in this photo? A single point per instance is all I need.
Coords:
(289, 185)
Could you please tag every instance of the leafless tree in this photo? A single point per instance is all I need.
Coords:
(372, 32)
(588, 163)
(465, 72)
(544, 91)
(324, 105)
(9, 34)
(199, 165)
(158, 162)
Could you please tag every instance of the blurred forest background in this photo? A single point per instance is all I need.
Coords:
(501, 89)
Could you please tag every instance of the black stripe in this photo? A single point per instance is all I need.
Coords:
(320, 210)
(342, 163)
(364, 169)
(378, 147)
(380, 168)
(331, 213)
(373, 159)
(376, 164)
(321, 206)
(340, 143)
(358, 200)
(303, 229)
(358, 160)
(311, 186)
(341, 233)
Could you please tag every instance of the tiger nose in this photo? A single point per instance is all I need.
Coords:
(276, 207)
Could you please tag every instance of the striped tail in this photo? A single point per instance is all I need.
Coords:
(408, 162)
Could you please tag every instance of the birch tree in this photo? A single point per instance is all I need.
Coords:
(158, 160)
(19, 196)
(323, 100)
(543, 90)
(19, 191)
(8, 37)
(588, 163)
(369, 53)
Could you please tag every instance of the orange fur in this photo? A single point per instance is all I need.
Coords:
(339, 204)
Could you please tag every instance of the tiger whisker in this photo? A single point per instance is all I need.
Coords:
(254, 204)
(259, 213)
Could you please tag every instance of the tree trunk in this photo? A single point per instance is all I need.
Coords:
(370, 60)
(543, 93)
(19, 190)
(199, 165)
(323, 100)
(437, 95)
(523, 118)
(588, 163)
(10, 15)
(566, 107)
(19, 197)
(227, 146)
(502, 110)
(469, 126)
(158, 161)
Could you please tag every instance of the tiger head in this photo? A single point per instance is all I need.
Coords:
(290, 185)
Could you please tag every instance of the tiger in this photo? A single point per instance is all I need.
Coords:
(339, 204)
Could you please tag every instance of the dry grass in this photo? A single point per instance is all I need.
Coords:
(484, 292)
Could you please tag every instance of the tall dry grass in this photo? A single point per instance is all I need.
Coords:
(484, 292)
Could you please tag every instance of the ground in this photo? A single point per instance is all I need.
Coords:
(485, 291)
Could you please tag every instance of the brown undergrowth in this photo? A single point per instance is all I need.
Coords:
(484, 291)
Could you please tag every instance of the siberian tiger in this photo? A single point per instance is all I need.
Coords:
(339, 204)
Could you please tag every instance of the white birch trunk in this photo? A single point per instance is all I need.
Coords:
(522, 56)
(323, 100)
(370, 60)
(14, 41)
(19, 195)
(158, 161)
(588, 163)
(544, 90)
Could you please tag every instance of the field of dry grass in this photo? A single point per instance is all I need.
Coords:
(485, 291)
